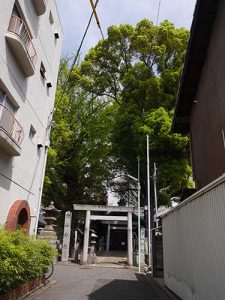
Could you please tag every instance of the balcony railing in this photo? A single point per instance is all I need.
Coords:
(10, 125)
(18, 27)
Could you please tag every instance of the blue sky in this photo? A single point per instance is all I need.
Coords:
(74, 16)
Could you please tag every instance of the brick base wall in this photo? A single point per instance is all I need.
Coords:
(23, 289)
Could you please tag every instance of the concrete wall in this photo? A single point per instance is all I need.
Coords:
(21, 176)
(208, 112)
(194, 245)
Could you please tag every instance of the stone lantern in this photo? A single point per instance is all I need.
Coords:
(92, 254)
(48, 232)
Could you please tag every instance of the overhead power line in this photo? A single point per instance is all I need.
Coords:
(157, 20)
(76, 57)
(96, 17)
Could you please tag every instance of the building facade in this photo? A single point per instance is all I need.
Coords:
(200, 109)
(193, 232)
(30, 46)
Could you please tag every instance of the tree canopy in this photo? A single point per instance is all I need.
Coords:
(124, 89)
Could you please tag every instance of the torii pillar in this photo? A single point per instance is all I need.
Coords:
(86, 236)
(129, 239)
(89, 217)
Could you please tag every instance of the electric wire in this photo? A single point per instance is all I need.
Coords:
(75, 58)
(10, 179)
(101, 32)
(96, 17)
(157, 20)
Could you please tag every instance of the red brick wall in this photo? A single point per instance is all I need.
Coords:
(13, 215)
(23, 289)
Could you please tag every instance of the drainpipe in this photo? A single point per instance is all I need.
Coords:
(46, 145)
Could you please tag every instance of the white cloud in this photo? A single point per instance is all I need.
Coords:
(75, 14)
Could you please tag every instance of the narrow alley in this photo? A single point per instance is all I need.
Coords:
(74, 282)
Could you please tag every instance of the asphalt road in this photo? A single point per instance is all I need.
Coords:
(74, 282)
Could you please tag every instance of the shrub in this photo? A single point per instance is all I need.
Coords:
(22, 259)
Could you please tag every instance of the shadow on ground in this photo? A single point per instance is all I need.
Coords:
(127, 290)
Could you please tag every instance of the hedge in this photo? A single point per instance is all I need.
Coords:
(22, 259)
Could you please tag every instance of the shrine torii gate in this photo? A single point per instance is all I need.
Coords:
(112, 209)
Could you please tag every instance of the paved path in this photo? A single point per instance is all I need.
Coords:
(114, 257)
(74, 282)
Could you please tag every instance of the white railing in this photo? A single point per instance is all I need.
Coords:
(10, 125)
(18, 27)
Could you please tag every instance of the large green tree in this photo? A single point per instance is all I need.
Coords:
(138, 68)
(79, 155)
(124, 89)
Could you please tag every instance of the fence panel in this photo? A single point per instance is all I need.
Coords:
(194, 245)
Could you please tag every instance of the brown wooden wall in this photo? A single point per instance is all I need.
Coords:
(208, 113)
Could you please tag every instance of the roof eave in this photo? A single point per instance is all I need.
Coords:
(204, 17)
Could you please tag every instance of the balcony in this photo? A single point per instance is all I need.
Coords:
(11, 132)
(20, 42)
(40, 6)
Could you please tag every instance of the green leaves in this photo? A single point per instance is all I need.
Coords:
(170, 151)
(22, 259)
(79, 156)
(125, 88)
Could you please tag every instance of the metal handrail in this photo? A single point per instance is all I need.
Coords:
(18, 27)
(10, 125)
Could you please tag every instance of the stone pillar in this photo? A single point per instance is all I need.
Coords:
(108, 238)
(129, 239)
(86, 236)
(75, 246)
(66, 236)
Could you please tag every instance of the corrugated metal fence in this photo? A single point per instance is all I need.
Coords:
(194, 245)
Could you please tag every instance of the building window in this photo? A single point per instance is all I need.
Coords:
(8, 122)
(2, 98)
(5, 102)
(32, 133)
(16, 12)
(223, 136)
(51, 20)
(43, 71)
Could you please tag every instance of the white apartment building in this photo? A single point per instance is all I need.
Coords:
(30, 46)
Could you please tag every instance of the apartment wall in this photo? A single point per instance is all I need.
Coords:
(21, 176)
(208, 112)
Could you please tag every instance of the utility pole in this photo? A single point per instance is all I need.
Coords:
(149, 206)
(139, 218)
(155, 195)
